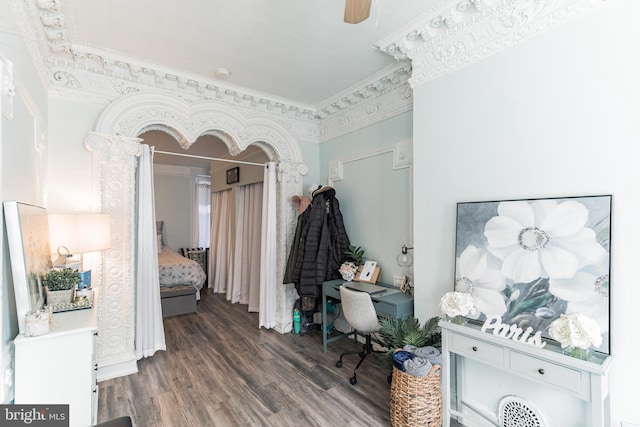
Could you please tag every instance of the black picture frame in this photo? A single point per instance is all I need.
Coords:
(536, 300)
(233, 175)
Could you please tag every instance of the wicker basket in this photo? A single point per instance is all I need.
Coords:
(416, 401)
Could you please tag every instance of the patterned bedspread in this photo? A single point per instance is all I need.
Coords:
(177, 270)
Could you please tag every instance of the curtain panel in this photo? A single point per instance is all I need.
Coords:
(149, 328)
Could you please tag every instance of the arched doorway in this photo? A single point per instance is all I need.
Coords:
(115, 145)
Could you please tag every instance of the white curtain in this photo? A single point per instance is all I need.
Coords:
(202, 211)
(245, 284)
(149, 328)
(221, 244)
(268, 261)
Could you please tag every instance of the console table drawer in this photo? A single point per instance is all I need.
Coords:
(559, 376)
(477, 349)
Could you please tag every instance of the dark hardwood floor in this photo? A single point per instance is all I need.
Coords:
(221, 370)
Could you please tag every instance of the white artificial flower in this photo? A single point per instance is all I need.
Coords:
(575, 330)
(348, 267)
(542, 238)
(456, 304)
(482, 282)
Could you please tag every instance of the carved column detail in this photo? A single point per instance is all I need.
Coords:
(289, 177)
(114, 171)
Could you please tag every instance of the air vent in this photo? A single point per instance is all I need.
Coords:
(517, 412)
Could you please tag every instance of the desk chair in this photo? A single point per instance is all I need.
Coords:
(359, 311)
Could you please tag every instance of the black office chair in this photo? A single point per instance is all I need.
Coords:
(117, 422)
(359, 311)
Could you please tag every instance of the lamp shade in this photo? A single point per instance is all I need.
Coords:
(80, 233)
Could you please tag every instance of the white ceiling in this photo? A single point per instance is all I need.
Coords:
(300, 50)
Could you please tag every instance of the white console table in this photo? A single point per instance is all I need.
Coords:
(60, 367)
(586, 381)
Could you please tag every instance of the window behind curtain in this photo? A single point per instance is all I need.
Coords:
(203, 209)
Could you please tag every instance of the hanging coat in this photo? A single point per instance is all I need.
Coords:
(322, 245)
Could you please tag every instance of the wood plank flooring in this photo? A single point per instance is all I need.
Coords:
(221, 370)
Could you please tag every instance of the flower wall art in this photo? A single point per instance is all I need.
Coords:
(531, 261)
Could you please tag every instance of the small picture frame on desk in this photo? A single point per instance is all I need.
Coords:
(233, 175)
(368, 272)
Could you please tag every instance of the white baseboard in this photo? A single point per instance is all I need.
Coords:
(117, 370)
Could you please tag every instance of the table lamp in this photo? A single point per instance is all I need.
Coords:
(78, 234)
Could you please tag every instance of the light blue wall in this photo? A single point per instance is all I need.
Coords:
(554, 116)
(24, 166)
(374, 197)
(311, 155)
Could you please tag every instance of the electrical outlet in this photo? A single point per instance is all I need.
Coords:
(397, 281)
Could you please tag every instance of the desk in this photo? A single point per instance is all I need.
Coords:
(397, 305)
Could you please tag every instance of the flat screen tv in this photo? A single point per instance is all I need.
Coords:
(28, 237)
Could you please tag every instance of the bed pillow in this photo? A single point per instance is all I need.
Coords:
(159, 237)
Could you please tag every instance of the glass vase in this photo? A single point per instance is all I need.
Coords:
(578, 352)
(348, 276)
(458, 320)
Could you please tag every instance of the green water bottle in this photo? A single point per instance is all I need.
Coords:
(296, 321)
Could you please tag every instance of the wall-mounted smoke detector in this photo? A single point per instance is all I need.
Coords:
(222, 73)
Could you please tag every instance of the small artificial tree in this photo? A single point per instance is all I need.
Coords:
(61, 279)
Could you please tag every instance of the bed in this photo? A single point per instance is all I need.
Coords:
(181, 280)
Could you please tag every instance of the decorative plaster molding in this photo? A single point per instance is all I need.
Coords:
(114, 167)
(86, 73)
(450, 35)
(115, 144)
(403, 155)
(402, 158)
(336, 171)
(136, 113)
(27, 19)
(457, 33)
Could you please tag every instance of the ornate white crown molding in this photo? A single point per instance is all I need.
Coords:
(451, 35)
(456, 33)
(383, 95)
(78, 72)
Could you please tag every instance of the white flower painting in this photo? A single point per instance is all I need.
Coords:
(531, 261)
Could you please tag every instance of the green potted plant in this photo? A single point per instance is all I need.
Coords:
(59, 285)
(356, 253)
(396, 333)
(349, 268)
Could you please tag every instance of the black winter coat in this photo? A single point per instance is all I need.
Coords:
(322, 246)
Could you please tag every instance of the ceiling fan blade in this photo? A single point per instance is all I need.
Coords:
(356, 11)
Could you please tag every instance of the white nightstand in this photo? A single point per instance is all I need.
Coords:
(60, 367)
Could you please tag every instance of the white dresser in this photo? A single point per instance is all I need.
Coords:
(60, 367)
(539, 372)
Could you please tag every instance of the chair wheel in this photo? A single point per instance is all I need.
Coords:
(353, 380)
(339, 364)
